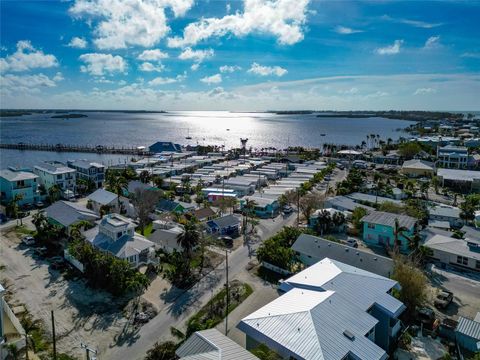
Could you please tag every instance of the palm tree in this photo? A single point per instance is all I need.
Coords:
(14, 208)
(29, 325)
(399, 231)
(117, 184)
(248, 210)
(424, 186)
(54, 193)
(189, 238)
(12, 351)
(144, 176)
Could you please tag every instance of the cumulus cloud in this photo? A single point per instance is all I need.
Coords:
(78, 43)
(27, 57)
(196, 55)
(152, 55)
(258, 69)
(195, 67)
(126, 22)
(100, 64)
(167, 80)
(214, 79)
(284, 19)
(351, 91)
(229, 69)
(424, 91)
(149, 67)
(15, 85)
(432, 42)
(343, 30)
(390, 50)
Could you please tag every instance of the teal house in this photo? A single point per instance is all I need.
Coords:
(18, 182)
(379, 229)
(264, 207)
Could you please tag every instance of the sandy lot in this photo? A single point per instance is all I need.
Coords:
(81, 314)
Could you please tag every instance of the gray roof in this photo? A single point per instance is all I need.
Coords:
(460, 175)
(17, 175)
(123, 247)
(85, 164)
(439, 224)
(468, 327)
(319, 248)
(346, 203)
(54, 167)
(311, 325)
(211, 344)
(357, 196)
(102, 196)
(166, 238)
(443, 210)
(388, 219)
(471, 233)
(226, 221)
(418, 165)
(68, 213)
(452, 246)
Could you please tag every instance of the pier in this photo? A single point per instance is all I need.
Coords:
(98, 149)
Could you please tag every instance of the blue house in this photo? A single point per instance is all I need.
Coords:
(225, 225)
(264, 208)
(379, 229)
(17, 182)
(164, 146)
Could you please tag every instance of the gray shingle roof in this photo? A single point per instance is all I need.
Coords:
(226, 221)
(211, 344)
(319, 248)
(102, 196)
(388, 219)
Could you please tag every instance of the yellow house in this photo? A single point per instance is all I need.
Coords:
(418, 168)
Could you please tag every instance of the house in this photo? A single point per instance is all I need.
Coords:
(379, 229)
(204, 214)
(165, 205)
(313, 220)
(11, 331)
(116, 235)
(467, 333)
(165, 146)
(89, 171)
(311, 249)
(241, 185)
(65, 214)
(211, 344)
(102, 198)
(52, 173)
(344, 203)
(265, 207)
(442, 212)
(135, 185)
(165, 236)
(463, 180)
(418, 168)
(225, 225)
(461, 253)
(369, 199)
(470, 233)
(17, 182)
(452, 157)
(330, 310)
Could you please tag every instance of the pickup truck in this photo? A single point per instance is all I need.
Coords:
(443, 299)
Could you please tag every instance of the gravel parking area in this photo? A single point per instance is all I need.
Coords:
(81, 314)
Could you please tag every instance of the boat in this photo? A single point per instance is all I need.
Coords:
(228, 129)
(323, 134)
(188, 137)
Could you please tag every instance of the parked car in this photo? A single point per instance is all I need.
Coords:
(40, 251)
(427, 318)
(28, 240)
(287, 209)
(39, 204)
(443, 299)
(227, 240)
(351, 242)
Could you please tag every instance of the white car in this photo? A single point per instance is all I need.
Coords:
(28, 240)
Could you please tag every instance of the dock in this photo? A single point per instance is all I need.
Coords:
(98, 149)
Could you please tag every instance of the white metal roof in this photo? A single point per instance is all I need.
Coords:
(452, 246)
(102, 196)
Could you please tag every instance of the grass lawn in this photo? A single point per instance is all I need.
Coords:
(23, 230)
(147, 231)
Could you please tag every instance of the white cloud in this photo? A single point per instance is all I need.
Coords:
(414, 23)
(167, 80)
(26, 57)
(284, 19)
(390, 50)
(473, 55)
(267, 70)
(432, 42)
(101, 64)
(346, 30)
(149, 67)
(195, 67)
(229, 69)
(58, 77)
(152, 55)
(351, 91)
(214, 79)
(196, 55)
(121, 23)
(424, 91)
(77, 42)
(15, 85)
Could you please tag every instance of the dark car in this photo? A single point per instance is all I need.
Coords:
(227, 240)
(427, 318)
(443, 299)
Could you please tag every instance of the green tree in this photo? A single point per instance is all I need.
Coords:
(30, 325)
(13, 209)
(189, 238)
(162, 351)
(144, 176)
(357, 215)
(468, 208)
(54, 193)
(409, 149)
(263, 352)
(117, 185)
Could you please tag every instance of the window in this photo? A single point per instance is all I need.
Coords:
(462, 260)
(119, 235)
(477, 264)
(59, 176)
(371, 226)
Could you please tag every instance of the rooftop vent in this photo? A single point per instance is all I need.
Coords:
(349, 335)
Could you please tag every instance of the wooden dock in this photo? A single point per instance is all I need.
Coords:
(99, 149)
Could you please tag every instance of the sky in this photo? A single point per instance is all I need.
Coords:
(243, 55)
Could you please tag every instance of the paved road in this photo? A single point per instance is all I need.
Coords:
(133, 344)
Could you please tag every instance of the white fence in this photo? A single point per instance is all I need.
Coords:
(276, 269)
(77, 264)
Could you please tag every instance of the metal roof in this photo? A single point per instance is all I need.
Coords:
(452, 246)
(438, 209)
(226, 221)
(388, 219)
(319, 248)
(211, 344)
(67, 213)
(468, 327)
(357, 196)
(460, 175)
(17, 175)
(312, 325)
(102, 196)
(345, 203)
(54, 167)
(418, 165)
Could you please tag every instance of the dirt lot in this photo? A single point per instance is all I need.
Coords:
(81, 314)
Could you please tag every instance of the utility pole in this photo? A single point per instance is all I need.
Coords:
(88, 351)
(54, 339)
(298, 208)
(228, 295)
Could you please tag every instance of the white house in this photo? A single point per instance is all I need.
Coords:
(52, 173)
(116, 235)
(330, 311)
(11, 331)
(165, 236)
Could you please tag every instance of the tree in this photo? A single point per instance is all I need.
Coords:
(424, 187)
(308, 204)
(398, 232)
(158, 181)
(162, 351)
(263, 352)
(144, 202)
(409, 149)
(13, 209)
(412, 281)
(189, 238)
(469, 207)
(117, 185)
(144, 176)
(54, 193)
(357, 215)
(13, 352)
(30, 325)
(435, 183)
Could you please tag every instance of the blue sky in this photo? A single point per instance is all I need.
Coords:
(240, 54)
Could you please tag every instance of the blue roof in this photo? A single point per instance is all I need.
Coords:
(165, 146)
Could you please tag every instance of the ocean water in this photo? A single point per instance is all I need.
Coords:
(204, 127)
